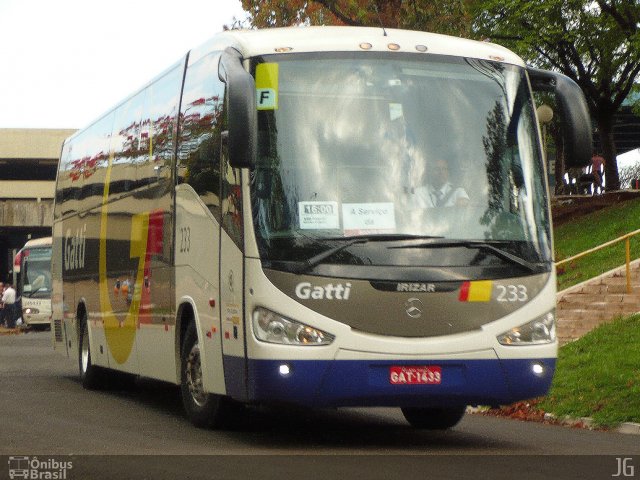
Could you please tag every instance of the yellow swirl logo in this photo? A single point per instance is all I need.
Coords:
(121, 332)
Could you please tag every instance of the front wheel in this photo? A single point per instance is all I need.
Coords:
(204, 409)
(433, 418)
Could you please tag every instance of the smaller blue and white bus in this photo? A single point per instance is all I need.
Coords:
(33, 263)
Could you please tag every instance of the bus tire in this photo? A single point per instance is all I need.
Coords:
(433, 418)
(91, 376)
(204, 409)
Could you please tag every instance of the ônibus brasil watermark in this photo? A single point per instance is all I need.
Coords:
(33, 468)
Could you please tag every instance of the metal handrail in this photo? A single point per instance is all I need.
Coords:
(626, 239)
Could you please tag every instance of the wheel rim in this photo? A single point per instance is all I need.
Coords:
(85, 351)
(194, 376)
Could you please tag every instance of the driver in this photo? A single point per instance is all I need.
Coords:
(440, 192)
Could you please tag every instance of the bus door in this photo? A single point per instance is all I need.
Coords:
(232, 282)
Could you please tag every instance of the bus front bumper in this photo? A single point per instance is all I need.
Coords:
(334, 383)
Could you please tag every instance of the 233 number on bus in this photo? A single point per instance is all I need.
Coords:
(512, 293)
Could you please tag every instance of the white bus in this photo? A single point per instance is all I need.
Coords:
(33, 263)
(257, 225)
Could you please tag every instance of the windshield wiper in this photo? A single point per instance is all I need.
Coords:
(309, 263)
(384, 237)
(32, 293)
(498, 252)
(503, 254)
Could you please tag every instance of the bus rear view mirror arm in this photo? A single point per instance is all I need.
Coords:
(242, 111)
(577, 131)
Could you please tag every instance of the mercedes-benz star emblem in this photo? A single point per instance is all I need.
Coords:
(414, 307)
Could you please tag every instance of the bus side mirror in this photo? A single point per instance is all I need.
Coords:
(242, 110)
(577, 133)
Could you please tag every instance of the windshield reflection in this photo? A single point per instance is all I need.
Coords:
(397, 144)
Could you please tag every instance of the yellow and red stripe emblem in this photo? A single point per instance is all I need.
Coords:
(478, 291)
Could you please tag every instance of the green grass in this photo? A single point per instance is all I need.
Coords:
(591, 230)
(598, 375)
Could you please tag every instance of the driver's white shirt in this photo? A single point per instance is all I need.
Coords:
(428, 196)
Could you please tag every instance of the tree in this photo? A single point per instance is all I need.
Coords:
(593, 43)
(443, 16)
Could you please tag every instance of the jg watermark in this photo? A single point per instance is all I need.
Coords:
(625, 468)
(34, 468)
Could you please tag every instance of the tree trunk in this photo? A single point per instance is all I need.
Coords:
(605, 130)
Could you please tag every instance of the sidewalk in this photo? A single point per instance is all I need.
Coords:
(12, 331)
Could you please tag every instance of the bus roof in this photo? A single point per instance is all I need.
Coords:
(38, 242)
(266, 41)
(35, 243)
(327, 39)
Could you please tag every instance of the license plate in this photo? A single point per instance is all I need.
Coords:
(426, 375)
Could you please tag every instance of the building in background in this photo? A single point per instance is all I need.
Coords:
(28, 165)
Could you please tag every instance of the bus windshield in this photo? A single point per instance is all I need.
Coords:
(360, 152)
(35, 273)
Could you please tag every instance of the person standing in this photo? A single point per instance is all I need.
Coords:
(597, 170)
(9, 301)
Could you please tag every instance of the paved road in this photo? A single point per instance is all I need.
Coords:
(46, 412)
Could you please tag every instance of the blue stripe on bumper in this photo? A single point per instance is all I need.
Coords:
(366, 383)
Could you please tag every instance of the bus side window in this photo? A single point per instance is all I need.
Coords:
(126, 145)
(83, 166)
(154, 166)
(201, 127)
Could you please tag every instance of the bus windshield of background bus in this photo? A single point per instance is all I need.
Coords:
(406, 145)
(35, 271)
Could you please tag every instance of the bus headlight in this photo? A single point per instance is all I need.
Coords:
(31, 310)
(539, 331)
(273, 328)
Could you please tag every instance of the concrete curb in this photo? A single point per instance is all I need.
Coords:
(627, 428)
